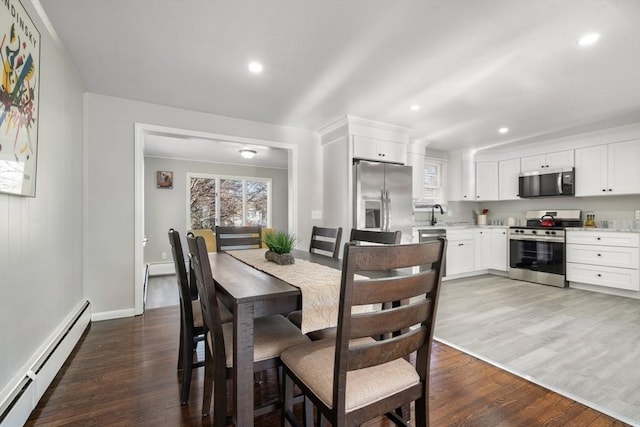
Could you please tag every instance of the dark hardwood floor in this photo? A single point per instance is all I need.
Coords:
(123, 373)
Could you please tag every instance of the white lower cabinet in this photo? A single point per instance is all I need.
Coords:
(610, 259)
(459, 251)
(482, 249)
(499, 252)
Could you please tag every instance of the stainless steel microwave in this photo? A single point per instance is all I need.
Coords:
(547, 184)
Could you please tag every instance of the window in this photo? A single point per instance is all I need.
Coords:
(433, 188)
(228, 201)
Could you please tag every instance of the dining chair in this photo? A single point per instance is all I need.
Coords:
(272, 335)
(192, 328)
(369, 236)
(356, 377)
(325, 241)
(242, 237)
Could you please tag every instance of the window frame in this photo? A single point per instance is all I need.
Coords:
(217, 178)
(442, 181)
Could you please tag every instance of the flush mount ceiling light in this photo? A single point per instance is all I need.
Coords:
(588, 39)
(255, 67)
(415, 107)
(503, 130)
(247, 154)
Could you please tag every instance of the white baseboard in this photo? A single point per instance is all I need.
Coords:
(17, 402)
(161, 268)
(114, 314)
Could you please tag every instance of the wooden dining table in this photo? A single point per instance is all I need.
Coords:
(250, 293)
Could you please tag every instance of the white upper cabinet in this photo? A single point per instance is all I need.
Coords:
(543, 162)
(487, 180)
(379, 150)
(462, 180)
(508, 173)
(608, 169)
(468, 180)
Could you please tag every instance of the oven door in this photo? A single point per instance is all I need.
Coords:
(537, 255)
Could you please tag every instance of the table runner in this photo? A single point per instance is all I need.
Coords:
(319, 285)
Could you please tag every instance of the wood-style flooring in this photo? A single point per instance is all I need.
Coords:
(583, 344)
(123, 373)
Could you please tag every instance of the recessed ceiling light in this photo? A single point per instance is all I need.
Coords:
(503, 130)
(255, 67)
(247, 154)
(588, 39)
(415, 107)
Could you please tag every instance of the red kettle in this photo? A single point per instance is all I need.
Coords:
(547, 221)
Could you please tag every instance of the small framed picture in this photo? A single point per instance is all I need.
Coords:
(165, 179)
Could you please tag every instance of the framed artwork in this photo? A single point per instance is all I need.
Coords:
(165, 179)
(20, 92)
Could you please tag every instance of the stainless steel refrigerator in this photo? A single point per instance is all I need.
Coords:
(382, 197)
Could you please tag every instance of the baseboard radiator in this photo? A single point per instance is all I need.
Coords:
(16, 408)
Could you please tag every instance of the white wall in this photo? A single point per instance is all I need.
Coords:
(41, 237)
(166, 208)
(109, 239)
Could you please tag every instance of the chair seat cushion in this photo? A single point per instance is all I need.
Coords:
(313, 363)
(197, 314)
(271, 336)
(225, 314)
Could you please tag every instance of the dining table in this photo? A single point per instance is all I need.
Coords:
(251, 293)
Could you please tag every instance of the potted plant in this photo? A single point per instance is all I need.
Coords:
(280, 244)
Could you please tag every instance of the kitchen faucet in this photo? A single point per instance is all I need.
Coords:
(434, 221)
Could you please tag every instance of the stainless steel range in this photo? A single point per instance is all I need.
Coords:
(537, 250)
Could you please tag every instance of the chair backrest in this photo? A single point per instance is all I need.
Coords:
(382, 237)
(326, 241)
(209, 238)
(238, 238)
(181, 276)
(208, 301)
(411, 324)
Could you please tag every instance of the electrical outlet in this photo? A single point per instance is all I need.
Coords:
(637, 213)
(163, 255)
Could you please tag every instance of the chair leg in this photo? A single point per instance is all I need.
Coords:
(220, 396)
(287, 401)
(422, 411)
(187, 366)
(180, 355)
(308, 412)
(208, 383)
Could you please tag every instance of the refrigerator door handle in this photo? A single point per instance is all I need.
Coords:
(388, 205)
(383, 210)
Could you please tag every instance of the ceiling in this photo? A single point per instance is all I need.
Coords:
(473, 66)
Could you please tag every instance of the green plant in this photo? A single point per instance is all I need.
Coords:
(280, 242)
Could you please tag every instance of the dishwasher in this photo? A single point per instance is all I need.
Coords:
(429, 235)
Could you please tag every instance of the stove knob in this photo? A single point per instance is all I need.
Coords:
(547, 232)
(534, 232)
(553, 232)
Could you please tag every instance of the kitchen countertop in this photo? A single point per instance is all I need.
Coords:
(615, 230)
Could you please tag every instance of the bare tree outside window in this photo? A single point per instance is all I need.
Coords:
(257, 203)
(230, 202)
(203, 203)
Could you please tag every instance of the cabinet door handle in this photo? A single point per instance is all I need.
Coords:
(599, 254)
(604, 189)
(460, 244)
(610, 190)
(597, 238)
(599, 275)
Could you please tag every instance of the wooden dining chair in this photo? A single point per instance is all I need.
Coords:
(192, 328)
(381, 237)
(356, 378)
(272, 335)
(246, 237)
(326, 241)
